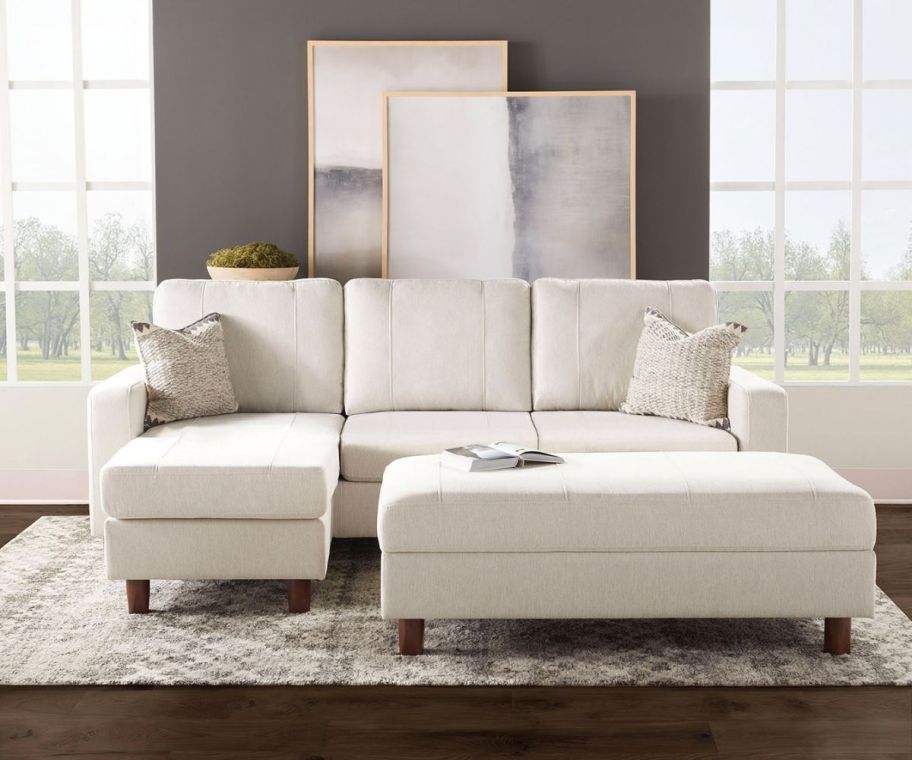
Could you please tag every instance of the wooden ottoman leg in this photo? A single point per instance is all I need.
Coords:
(137, 596)
(298, 596)
(837, 635)
(411, 636)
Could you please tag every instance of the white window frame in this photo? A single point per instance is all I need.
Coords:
(779, 285)
(84, 285)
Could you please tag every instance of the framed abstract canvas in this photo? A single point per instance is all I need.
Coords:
(346, 84)
(521, 184)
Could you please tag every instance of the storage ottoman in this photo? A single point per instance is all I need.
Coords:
(627, 535)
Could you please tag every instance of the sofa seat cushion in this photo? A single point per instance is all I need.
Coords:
(266, 466)
(627, 502)
(371, 441)
(616, 431)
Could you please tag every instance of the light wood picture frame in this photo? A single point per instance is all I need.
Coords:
(346, 82)
(509, 184)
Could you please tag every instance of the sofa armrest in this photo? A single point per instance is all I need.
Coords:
(116, 410)
(758, 411)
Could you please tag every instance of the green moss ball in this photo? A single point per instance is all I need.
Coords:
(258, 255)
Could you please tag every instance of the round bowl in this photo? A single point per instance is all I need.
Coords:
(253, 273)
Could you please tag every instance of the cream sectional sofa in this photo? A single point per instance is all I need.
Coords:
(334, 387)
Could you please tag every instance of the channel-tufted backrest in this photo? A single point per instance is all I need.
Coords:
(437, 345)
(585, 334)
(283, 339)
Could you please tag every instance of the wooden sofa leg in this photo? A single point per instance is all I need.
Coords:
(298, 596)
(411, 636)
(137, 596)
(837, 635)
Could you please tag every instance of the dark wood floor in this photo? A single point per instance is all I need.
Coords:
(428, 723)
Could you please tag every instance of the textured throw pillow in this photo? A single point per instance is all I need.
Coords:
(186, 371)
(680, 375)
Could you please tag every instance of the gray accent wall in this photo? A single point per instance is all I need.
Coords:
(231, 107)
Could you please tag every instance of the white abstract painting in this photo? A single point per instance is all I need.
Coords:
(347, 82)
(521, 185)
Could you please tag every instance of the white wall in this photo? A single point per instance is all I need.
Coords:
(863, 431)
(43, 450)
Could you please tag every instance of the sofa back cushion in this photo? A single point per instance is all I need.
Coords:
(283, 339)
(437, 345)
(585, 334)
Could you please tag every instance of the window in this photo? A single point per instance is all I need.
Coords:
(811, 186)
(77, 233)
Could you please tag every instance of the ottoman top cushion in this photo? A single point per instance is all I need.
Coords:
(636, 502)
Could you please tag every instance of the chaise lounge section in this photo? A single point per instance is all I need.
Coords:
(245, 495)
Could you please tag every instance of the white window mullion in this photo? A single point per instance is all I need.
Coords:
(115, 84)
(742, 85)
(44, 286)
(46, 84)
(855, 251)
(6, 189)
(779, 218)
(742, 187)
(888, 84)
(883, 285)
(82, 215)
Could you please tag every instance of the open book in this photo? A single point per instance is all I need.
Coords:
(496, 456)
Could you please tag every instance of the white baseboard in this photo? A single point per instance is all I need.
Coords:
(886, 485)
(25, 487)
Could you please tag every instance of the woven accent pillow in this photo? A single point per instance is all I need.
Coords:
(680, 375)
(186, 371)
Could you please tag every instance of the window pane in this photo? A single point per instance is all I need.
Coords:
(817, 336)
(818, 39)
(743, 136)
(39, 39)
(2, 337)
(118, 135)
(886, 234)
(45, 242)
(886, 148)
(743, 39)
(47, 336)
(41, 135)
(741, 235)
(818, 135)
(115, 39)
(755, 311)
(120, 235)
(887, 52)
(817, 235)
(113, 347)
(886, 335)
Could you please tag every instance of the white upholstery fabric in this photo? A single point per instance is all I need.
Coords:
(629, 585)
(644, 501)
(259, 466)
(371, 441)
(116, 408)
(615, 431)
(437, 345)
(758, 412)
(283, 339)
(355, 509)
(585, 334)
(217, 549)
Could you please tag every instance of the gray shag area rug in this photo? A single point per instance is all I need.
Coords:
(62, 622)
